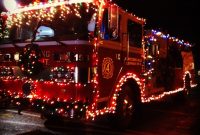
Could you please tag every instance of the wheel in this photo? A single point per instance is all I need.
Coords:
(127, 106)
(187, 84)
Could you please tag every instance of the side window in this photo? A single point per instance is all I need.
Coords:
(135, 34)
(114, 20)
(110, 24)
(104, 25)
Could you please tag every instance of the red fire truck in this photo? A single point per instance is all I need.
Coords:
(84, 58)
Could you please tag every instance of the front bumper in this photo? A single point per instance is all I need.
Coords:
(67, 110)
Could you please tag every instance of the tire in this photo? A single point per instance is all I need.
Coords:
(187, 84)
(127, 106)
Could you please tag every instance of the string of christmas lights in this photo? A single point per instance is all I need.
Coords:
(47, 12)
(167, 36)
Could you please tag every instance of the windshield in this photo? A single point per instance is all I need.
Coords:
(65, 22)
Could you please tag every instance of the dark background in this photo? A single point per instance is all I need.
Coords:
(176, 17)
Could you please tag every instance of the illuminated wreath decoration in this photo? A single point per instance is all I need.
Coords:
(31, 60)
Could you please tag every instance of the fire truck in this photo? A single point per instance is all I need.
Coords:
(86, 58)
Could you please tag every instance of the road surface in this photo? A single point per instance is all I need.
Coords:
(177, 116)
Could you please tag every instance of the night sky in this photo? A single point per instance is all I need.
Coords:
(176, 17)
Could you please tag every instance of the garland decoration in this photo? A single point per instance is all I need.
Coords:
(31, 60)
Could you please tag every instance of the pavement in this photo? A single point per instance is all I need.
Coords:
(177, 116)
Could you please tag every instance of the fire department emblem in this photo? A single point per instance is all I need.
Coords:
(107, 68)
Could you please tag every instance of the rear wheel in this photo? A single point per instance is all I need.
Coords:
(185, 94)
(187, 84)
(127, 106)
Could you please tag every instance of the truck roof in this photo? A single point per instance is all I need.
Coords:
(41, 5)
(158, 34)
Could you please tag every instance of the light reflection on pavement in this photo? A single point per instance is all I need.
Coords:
(177, 117)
